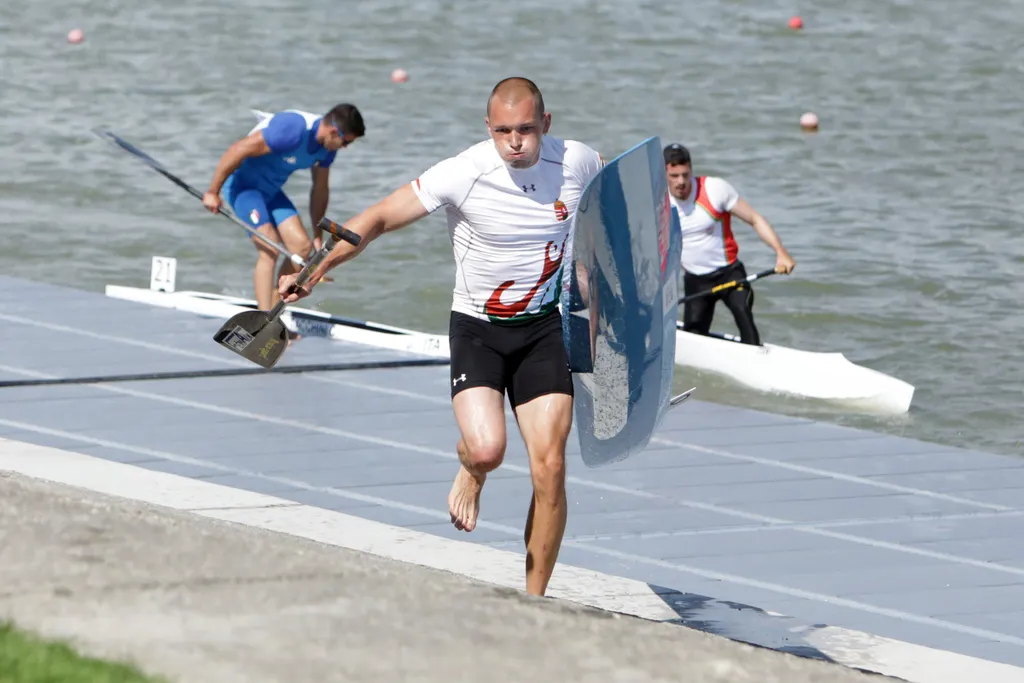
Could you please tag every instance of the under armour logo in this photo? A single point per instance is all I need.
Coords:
(529, 188)
(460, 378)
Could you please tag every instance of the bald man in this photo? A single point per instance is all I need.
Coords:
(509, 201)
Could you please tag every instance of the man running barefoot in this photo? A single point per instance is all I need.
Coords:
(509, 200)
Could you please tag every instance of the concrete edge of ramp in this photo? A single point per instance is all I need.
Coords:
(494, 566)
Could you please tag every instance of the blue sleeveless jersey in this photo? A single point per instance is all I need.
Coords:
(291, 136)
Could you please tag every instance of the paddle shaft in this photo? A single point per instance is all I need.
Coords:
(159, 168)
(727, 285)
(336, 234)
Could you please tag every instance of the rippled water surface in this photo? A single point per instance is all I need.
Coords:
(902, 212)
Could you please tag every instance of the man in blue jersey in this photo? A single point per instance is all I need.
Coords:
(254, 169)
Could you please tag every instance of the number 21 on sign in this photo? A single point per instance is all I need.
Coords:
(161, 278)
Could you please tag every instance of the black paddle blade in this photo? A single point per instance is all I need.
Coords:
(255, 337)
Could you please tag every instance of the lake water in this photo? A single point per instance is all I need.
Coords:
(901, 212)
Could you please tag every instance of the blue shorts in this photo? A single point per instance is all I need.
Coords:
(255, 208)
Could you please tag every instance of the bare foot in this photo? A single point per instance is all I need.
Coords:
(464, 499)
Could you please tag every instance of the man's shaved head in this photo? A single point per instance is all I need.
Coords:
(511, 91)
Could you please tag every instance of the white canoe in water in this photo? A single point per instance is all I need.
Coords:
(775, 369)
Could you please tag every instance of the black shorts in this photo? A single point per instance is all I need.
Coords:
(526, 360)
(698, 313)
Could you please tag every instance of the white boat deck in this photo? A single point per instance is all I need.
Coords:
(727, 509)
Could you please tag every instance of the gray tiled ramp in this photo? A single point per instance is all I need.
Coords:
(891, 536)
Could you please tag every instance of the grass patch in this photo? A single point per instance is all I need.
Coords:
(25, 658)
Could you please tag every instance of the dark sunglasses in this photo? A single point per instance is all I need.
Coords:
(341, 131)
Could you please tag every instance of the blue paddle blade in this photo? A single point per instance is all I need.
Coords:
(620, 303)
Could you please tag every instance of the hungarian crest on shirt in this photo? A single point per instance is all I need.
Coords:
(561, 211)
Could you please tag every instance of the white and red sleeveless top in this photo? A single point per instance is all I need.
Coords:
(509, 227)
(708, 243)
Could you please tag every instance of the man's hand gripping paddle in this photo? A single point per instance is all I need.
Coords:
(260, 336)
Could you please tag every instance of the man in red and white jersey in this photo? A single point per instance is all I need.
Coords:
(706, 205)
(509, 202)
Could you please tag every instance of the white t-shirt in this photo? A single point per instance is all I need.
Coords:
(708, 243)
(509, 227)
